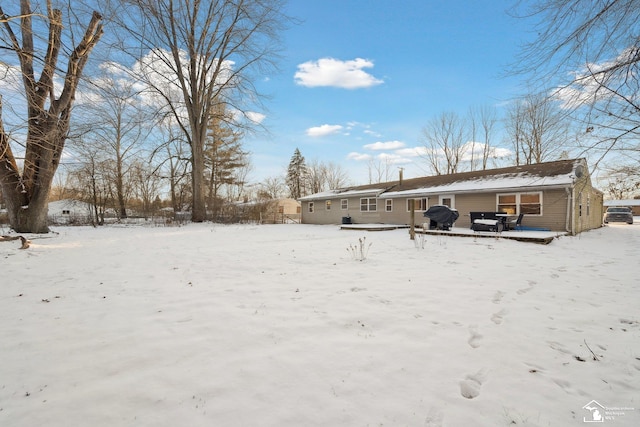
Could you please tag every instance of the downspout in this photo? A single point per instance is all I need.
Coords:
(570, 211)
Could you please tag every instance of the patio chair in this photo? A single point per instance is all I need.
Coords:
(514, 224)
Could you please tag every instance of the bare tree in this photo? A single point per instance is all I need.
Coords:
(272, 188)
(444, 138)
(482, 121)
(316, 178)
(49, 108)
(380, 170)
(335, 175)
(119, 123)
(236, 189)
(587, 54)
(201, 53)
(622, 182)
(322, 176)
(173, 165)
(538, 130)
(146, 185)
(91, 179)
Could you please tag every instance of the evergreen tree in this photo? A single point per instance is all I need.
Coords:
(223, 157)
(297, 175)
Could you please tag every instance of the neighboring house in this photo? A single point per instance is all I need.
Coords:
(270, 211)
(555, 195)
(69, 211)
(634, 204)
(282, 211)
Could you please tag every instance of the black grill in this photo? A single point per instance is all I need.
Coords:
(441, 217)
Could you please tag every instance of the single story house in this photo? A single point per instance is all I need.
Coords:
(554, 195)
(634, 204)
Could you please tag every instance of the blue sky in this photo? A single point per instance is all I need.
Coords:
(363, 74)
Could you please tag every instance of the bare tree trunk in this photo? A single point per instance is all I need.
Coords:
(25, 242)
(27, 194)
(199, 210)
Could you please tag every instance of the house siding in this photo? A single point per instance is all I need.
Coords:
(554, 208)
(321, 215)
(588, 206)
(571, 205)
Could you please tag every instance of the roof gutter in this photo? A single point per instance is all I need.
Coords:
(419, 193)
(343, 195)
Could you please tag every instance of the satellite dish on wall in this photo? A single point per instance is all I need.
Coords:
(579, 171)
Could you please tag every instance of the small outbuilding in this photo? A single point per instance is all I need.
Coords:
(70, 211)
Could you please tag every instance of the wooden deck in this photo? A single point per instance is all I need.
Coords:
(372, 227)
(540, 237)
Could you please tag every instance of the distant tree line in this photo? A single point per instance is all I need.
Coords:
(167, 103)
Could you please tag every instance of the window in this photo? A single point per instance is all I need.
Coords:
(507, 204)
(368, 205)
(419, 204)
(447, 201)
(344, 204)
(520, 203)
(580, 204)
(328, 204)
(388, 205)
(531, 203)
(66, 212)
(310, 207)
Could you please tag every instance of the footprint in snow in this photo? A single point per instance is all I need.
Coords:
(497, 297)
(497, 317)
(474, 339)
(434, 418)
(470, 386)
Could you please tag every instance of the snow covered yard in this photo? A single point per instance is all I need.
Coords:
(281, 325)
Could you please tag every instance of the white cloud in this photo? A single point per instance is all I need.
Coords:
(586, 85)
(323, 130)
(387, 145)
(11, 77)
(159, 69)
(474, 150)
(359, 157)
(393, 159)
(412, 151)
(255, 117)
(372, 133)
(336, 73)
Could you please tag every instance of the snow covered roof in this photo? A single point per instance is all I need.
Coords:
(623, 202)
(561, 173)
(486, 184)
